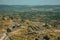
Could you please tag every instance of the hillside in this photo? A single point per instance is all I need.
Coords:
(26, 22)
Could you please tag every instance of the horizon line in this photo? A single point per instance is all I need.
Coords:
(23, 4)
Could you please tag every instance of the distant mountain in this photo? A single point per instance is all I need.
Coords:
(20, 7)
(46, 6)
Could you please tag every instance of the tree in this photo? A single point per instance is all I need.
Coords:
(46, 37)
(8, 30)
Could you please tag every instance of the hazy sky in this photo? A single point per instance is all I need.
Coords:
(30, 2)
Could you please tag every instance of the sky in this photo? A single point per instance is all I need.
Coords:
(30, 2)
